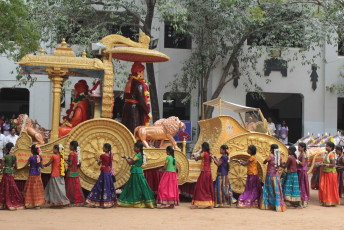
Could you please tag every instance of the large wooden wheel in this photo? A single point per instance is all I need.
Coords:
(238, 146)
(91, 136)
(238, 173)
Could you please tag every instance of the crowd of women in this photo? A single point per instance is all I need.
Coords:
(63, 188)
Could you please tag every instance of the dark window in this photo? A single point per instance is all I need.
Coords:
(14, 101)
(277, 106)
(176, 40)
(173, 106)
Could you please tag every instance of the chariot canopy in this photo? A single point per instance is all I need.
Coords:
(218, 102)
(254, 118)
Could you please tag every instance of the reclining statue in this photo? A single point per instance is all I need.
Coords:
(36, 131)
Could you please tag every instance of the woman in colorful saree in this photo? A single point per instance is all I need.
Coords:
(73, 187)
(290, 185)
(34, 190)
(55, 191)
(222, 189)
(272, 197)
(203, 195)
(302, 169)
(253, 188)
(137, 192)
(103, 193)
(10, 196)
(168, 192)
(328, 185)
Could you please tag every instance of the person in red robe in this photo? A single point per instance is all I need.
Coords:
(79, 109)
(136, 109)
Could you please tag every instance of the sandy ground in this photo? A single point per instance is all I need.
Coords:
(182, 217)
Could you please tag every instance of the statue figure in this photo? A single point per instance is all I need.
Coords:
(79, 109)
(136, 109)
(35, 131)
(162, 129)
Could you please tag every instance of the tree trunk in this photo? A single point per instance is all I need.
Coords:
(150, 68)
(153, 92)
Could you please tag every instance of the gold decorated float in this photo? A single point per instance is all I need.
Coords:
(93, 133)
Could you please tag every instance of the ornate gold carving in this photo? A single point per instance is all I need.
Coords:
(36, 132)
(62, 62)
(157, 157)
(216, 130)
(91, 136)
(57, 76)
(118, 40)
(107, 88)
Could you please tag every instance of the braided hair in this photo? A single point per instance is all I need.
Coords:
(205, 146)
(170, 151)
(293, 150)
(108, 147)
(275, 151)
(76, 147)
(226, 149)
(35, 150)
(139, 145)
(253, 150)
(8, 147)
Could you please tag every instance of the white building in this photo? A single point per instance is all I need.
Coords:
(289, 98)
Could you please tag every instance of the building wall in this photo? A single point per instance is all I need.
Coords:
(319, 106)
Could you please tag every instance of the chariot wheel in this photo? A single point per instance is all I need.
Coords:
(238, 174)
(91, 136)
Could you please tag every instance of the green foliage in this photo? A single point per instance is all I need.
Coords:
(220, 29)
(82, 22)
(18, 35)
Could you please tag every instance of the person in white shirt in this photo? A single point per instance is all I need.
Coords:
(272, 127)
(2, 144)
(13, 137)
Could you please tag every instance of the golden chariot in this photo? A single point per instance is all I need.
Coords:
(92, 133)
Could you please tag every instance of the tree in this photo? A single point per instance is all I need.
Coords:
(221, 28)
(18, 36)
(82, 22)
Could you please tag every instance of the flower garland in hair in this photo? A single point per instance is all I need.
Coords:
(144, 159)
(328, 156)
(111, 159)
(79, 154)
(277, 158)
(228, 157)
(62, 166)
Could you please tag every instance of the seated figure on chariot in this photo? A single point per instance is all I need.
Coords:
(136, 110)
(78, 111)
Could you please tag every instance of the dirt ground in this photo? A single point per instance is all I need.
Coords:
(182, 217)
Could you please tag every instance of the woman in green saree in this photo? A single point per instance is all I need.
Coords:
(137, 192)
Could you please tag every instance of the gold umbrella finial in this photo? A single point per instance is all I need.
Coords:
(42, 51)
(63, 43)
(84, 54)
